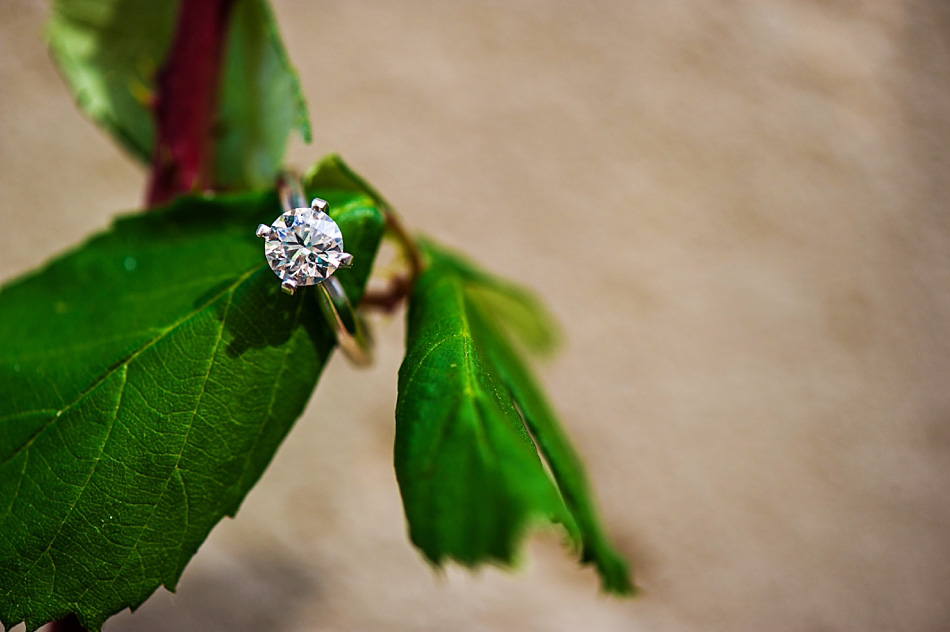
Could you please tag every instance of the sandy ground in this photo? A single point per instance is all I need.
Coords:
(739, 212)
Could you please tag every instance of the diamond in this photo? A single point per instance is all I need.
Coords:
(303, 246)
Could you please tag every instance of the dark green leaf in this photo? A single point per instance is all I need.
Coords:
(470, 475)
(146, 379)
(110, 50)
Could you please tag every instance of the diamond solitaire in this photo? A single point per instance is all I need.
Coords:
(304, 246)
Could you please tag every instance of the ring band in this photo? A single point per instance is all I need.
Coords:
(353, 337)
(352, 333)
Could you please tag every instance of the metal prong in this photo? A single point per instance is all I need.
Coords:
(346, 260)
(319, 205)
(263, 230)
(291, 192)
(288, 285)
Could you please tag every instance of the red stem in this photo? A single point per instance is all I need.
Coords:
(400, 287)
(186, 98)
(68, 624)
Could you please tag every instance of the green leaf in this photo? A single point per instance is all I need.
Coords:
(146, 380)
(332, 173)
(109, 52)
(467, 417)
(261, 101)
(518, 310)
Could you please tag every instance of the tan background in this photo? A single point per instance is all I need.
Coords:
(739, 211)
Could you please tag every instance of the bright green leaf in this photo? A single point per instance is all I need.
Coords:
(109, 52)
(332, 173)
(467, 417)
(146, 379)
(261, 101)
(510, 304)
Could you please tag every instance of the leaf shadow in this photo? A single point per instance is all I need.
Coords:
(260, 315)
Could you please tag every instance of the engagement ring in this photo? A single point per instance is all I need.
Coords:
(304, 246)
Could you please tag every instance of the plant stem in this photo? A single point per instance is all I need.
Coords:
(401, 286)
(185, 100)
(67, 624)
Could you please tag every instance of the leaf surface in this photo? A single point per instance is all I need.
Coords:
(146, 380)
(467, 419)
(333, 173)
(261, 101)
(109, 52)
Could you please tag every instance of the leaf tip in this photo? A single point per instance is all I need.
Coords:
(613, 569)
(305, 129)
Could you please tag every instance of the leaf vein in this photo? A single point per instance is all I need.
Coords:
(122, 364)
(184, 443)
(84, 486)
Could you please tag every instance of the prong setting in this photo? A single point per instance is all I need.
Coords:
(303, 246)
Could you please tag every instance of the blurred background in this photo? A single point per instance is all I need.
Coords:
(739, 212)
